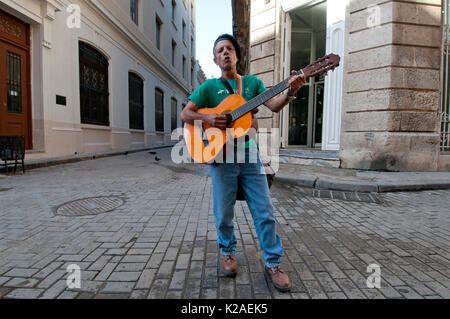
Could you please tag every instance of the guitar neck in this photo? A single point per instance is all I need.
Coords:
(322, 65)
(260, 99)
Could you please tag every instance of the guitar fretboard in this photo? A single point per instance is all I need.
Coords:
(258, 100)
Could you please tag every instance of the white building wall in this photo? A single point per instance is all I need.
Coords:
(105, 24)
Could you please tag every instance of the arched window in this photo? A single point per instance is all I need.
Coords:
(159, 110)
(136, 101)
(94, 94)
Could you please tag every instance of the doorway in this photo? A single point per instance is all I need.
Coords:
(308, 27)
(15, 107)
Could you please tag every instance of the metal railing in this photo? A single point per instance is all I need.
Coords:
(445, 73)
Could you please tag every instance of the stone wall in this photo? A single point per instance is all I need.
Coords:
(265, 41)
(391, 85)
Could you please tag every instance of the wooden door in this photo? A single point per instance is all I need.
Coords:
(15, 107)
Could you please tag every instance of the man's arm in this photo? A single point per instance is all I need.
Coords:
(277, 103)
(189, 115)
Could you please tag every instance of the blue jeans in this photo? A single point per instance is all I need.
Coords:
(256, 192)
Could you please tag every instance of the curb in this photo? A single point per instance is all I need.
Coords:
(46, 162)
(364, 187)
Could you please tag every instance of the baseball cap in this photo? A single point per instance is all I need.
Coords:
(233, 41)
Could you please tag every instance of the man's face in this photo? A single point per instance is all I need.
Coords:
(225, 54)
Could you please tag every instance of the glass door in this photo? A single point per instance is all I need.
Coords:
(299, 109)
(308, 41)
(318, 113)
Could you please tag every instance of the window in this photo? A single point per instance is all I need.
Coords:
(159, 110)
(94, 95)
(134, 11)
(192, 46)
(192, 74)
(174, 48)
(174, 7)
(174, 114)
(182, 108)
(158, 32)
(183, 71)
(14, 82)
(136, 101)
(184, 31)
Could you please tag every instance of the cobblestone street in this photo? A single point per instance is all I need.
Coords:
(159, 240)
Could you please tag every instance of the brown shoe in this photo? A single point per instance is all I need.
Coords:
(280, 279)
(229, 265)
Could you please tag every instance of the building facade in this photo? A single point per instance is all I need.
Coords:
(383, 108)
(82, 76)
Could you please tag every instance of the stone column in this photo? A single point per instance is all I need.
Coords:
(265, 49)
(391, 85)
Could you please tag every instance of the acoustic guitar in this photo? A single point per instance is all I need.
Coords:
(238, 113)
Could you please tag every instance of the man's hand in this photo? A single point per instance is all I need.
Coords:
(216, 120)
(295, 83)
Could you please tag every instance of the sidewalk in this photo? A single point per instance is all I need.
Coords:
(45, 162)
(359, 180)
(318, 177)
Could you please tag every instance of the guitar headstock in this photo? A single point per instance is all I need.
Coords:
(322, 65)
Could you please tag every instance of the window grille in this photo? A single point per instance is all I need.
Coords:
(159, 110)
(94, 94)
(136, 101)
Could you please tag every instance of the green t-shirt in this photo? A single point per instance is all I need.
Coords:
(212, 92)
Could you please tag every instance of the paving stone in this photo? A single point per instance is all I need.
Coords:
(21, 283)
(178, 280)
(68, 295)
(196, 269)
(327, 282)
(408, 293)
(139, 294)
(158, 289)
(135, 259)
(146, 279)
(21, 272)
(314, 289)
(174, 294)
(337, 295)
(24, 293)
(100, 263)
(349, 288)
(124, 276)
(193, 288)
(106, 271)
(55, 290)
(373, 293)
(209, 293)
(51, 279)
(227, 288)
(439, 289)
(244, 292)
(118, 287)
(210, 279)
(183, 261)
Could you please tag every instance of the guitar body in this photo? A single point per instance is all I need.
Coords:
(216, 137)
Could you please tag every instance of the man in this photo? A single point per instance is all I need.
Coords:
(225, 176)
